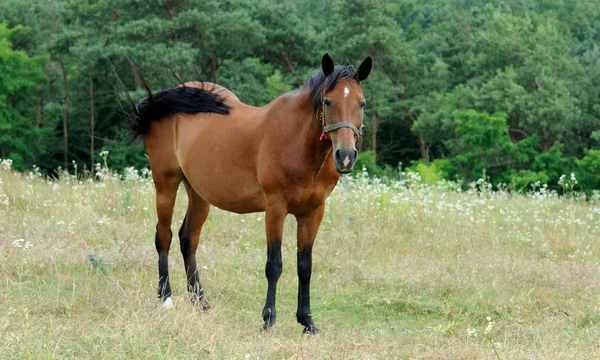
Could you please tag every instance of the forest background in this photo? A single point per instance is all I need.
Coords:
(505, 90)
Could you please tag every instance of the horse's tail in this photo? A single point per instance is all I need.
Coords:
(180, 100)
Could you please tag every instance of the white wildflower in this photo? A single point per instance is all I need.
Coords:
(21, 243)
(6, 164)
(18, 243)
(573, 178)
(489, 326)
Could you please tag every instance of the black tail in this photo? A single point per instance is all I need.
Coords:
(180, 100)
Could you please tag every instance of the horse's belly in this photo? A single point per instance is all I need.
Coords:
(238, 203)
(243, 206)
(217, 159)
(231, 190)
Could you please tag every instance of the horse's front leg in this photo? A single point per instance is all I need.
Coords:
(308, 226)
(274, 219)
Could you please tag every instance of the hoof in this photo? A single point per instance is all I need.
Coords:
(266, 328)
(201, 303)
(168, 303)
(311, 330)
(269, 319)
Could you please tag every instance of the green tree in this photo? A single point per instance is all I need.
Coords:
(20, 76)
(482, 146)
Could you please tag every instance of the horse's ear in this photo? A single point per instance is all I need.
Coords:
(364, 69)
(327, 65)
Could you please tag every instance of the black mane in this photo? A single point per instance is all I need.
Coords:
(318, 85)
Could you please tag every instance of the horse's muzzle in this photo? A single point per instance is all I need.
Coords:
(345, 160)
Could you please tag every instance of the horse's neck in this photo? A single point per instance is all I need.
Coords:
(316, 150)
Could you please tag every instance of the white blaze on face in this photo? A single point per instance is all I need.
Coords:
(346, 92)
(346, 161)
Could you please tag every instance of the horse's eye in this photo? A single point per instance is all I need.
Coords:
(327, 102)
(362, 104)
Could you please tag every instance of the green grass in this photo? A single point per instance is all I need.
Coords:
(402, 270)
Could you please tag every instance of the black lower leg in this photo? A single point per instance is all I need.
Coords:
(164, 288)
(194, 287)
(273, 272)
(188, 251)
(303, 314)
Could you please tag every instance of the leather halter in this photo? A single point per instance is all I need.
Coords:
(335, 126)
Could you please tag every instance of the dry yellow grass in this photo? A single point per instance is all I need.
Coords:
(402, 270)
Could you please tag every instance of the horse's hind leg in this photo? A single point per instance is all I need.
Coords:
(166, 184)
(167, 176)
(189, 237)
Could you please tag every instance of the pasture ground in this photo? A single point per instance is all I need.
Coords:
(403, 270)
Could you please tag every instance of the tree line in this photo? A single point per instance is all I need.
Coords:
(460, 89)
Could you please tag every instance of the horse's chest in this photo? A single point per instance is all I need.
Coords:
(312, 196)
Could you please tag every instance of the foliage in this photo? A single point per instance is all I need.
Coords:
(366, 162)
(510, 88)
(480, 144)
(20, 78)
(588, 170)
(433, 172)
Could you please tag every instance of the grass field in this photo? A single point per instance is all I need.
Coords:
(402, 270)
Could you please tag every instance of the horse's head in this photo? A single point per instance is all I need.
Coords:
(342, 104)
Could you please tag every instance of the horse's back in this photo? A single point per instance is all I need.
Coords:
(217, 153)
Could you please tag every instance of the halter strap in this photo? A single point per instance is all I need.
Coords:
(340, 125)
(335, 126)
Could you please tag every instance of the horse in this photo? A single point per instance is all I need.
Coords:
(283, 158)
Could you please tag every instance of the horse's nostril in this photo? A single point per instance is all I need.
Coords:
(355, 153)
(337, 154)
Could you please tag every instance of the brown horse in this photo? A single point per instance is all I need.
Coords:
(282, 158)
